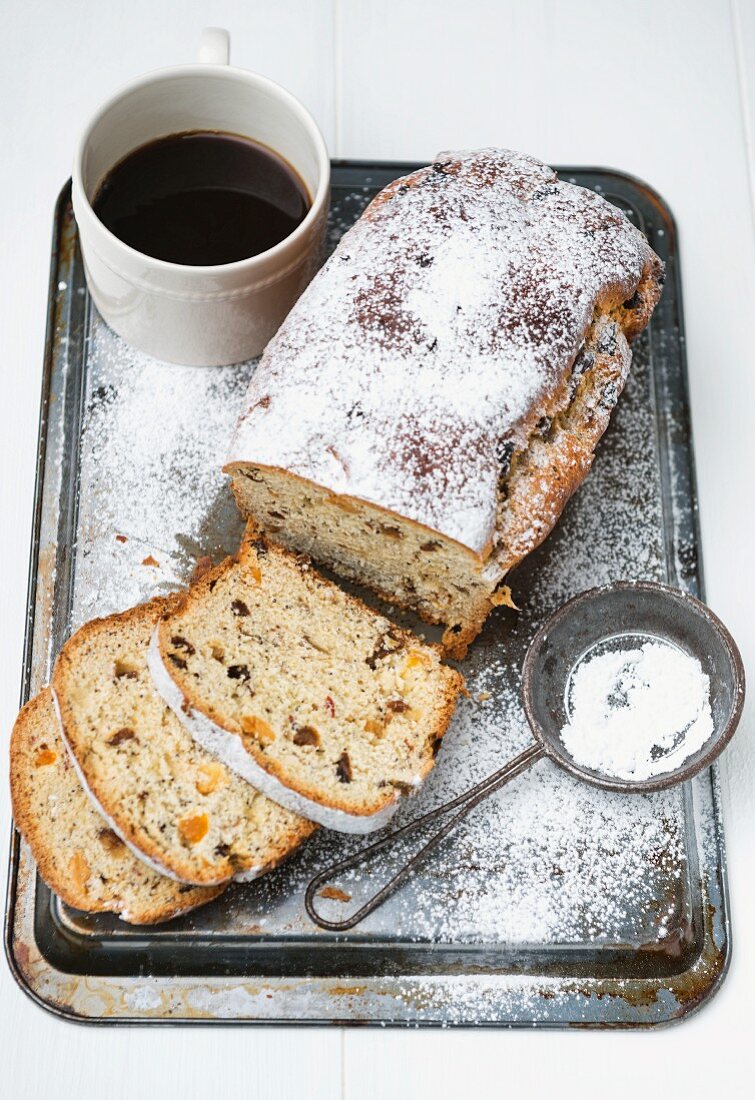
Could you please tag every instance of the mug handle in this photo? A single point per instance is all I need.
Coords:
(215, 46)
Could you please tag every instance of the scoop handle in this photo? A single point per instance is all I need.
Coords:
(467, 801)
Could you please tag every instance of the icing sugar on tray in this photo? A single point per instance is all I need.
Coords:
(548, 861)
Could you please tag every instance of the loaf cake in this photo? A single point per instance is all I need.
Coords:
(181, 809)
(77, 854)
(436, 395)
(318, 701)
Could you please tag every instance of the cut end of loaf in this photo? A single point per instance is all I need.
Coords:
(405, 563)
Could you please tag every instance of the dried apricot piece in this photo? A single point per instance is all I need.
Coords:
(210, 777)
(125, 671)
(334, 893)
(110, 841)
(193, 829)
(257, 727)
(415, 659)
(44, 757)
(78, 869)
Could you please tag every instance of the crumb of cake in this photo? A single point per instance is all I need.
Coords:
(334, 894)
(502, 598)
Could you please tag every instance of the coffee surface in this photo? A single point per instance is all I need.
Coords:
(202, 198)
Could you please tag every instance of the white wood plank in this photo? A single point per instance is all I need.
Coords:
(60, 61)
(68, 1062)
(672, 1063)
(651, 87)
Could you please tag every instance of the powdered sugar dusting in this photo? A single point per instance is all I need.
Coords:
(547, 863)
(444, 317)
(153, 498)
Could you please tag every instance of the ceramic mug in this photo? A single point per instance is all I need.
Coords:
(213, 315)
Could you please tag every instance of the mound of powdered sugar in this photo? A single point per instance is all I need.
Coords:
(637, 713)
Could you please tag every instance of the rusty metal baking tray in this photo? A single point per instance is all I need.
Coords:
(554, 904)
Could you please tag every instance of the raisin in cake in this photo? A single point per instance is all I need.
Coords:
(176, 805)
(436, 395)
(315, 699)
(77, 854)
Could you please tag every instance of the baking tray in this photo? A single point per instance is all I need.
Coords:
(554, 904)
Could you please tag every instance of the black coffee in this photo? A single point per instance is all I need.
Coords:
(201, 198)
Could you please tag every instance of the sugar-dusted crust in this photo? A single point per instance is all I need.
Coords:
(448, 315)
(431, 348)
(543, 476)
(76, 854)
(212, 867)
(220, 733)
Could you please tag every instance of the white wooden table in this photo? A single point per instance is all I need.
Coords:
(664, 89)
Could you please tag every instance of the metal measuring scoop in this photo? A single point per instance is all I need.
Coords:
(595, 621)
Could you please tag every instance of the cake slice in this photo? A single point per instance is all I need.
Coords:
(184, 811)
(77, 855)
(436, 395)
(323, 704)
